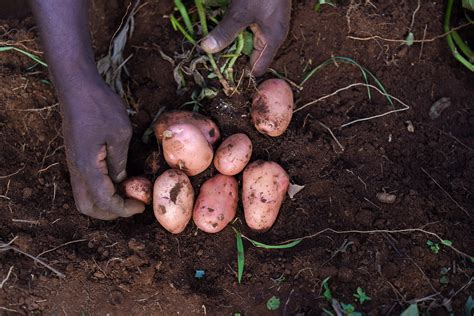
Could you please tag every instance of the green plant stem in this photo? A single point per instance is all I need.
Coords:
(183, 31)
(238, 50)
(202, 16)
(449, 37)
(24, 52)
(184, 14)
(466, 50)
(212, 61)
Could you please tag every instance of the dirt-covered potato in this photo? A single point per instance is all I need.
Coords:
(173, 199)
(138, 188)
(264, 186)
(216, 204)
(185, 148)
(233, 154)
(207, 127)
(272, 107)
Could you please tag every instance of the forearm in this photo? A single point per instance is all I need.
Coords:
(65, 38)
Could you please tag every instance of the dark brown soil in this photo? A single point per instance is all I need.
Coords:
(133, 266)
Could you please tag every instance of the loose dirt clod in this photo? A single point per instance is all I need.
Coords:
(386, 198)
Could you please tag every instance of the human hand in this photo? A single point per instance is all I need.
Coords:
(269, 20)
(97, 134)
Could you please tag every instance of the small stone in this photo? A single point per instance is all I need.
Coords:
(99, 275)
(386, 198)
(27, 193)
(200, 252)
(135, 245)
(65, 206)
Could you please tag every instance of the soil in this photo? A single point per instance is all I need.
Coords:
(133, 266)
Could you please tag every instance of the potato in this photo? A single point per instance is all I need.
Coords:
(233, 154)
(264, 186)
(216, 204)
(272, 107)
(138, 188)
(173, 199)
(185, 148)
(207, 127)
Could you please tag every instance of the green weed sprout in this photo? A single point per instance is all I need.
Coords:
(361, 296)
(319, 3)
(458, 47)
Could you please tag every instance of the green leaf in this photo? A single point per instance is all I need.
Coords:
(248, 43)
(468, 307)
(444, 279)
(348, 308)
(319, 3)
(409, 39)
(412, 310)
(240, 255)
(446, 242)
(273, 303)
(361, 295)
(327, 292)
(468, 4)
(284, 246)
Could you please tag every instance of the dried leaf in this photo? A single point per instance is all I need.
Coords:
(293, 189)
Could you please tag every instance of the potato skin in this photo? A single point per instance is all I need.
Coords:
(272, 107)
(138, 188)
(233, 154)
(216, 203)
(264, 187)
(207, 127)
(173, 199)
(185, 148)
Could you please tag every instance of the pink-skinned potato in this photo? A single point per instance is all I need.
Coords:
(138, 188)
(216, 203)
(272, 107)
(173, 199)
(185, 148)
(207, 127)
(264, 187)
(233, 154)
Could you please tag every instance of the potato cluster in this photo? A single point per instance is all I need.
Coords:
(187, 140)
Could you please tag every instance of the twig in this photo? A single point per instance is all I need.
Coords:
(33, 222)
(446, 192)
(9, 310)
(413, 15)
(6, 278)
(60, 246)
(404, 41)
(287, 301)
(423, 43)
(6, 247)
(37, 110)
(405, 106)
(379, 231)
(332, 134)
(471, 281)
(12, 174)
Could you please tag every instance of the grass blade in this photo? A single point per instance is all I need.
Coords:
(184, 13)
(176, 25)
(24, 52)
(366, 74)
(202, 16)
(283, 246)
(240, 255)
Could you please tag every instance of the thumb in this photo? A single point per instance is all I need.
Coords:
(226, 31)
(117, 150)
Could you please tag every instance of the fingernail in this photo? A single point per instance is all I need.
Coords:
(209, 44)
(121, 176)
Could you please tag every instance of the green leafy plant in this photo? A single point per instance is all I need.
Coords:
(273, 303)
(206, 14)
(434, 246)
(361, 295)
(327, 291)
(460, 50)
(349, 310)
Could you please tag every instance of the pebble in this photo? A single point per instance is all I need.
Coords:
(27, 193)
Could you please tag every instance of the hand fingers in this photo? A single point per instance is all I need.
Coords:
(117, 150)
(234, 21)
(103, 190)
(267, 41)
(84, 201)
